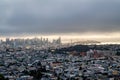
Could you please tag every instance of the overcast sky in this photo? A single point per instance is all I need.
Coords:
(59, 16)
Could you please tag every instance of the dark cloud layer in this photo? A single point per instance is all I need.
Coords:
(59, 16)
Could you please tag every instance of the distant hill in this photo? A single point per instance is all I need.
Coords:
(87, 42)
(77, 48)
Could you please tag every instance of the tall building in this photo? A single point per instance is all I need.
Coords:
(59, 40)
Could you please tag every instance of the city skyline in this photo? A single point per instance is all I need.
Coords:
(78, 19)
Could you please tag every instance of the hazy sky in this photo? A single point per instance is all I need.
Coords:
(59, 16)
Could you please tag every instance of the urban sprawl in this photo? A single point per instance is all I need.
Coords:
(41, 59)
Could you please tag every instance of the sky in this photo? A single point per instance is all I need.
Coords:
(87, 19)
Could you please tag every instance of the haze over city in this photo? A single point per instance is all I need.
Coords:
(59, 39)
(70, 19)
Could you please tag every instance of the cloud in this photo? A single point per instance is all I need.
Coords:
(59, 16)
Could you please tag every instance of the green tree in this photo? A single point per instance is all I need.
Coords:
(2, 77)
